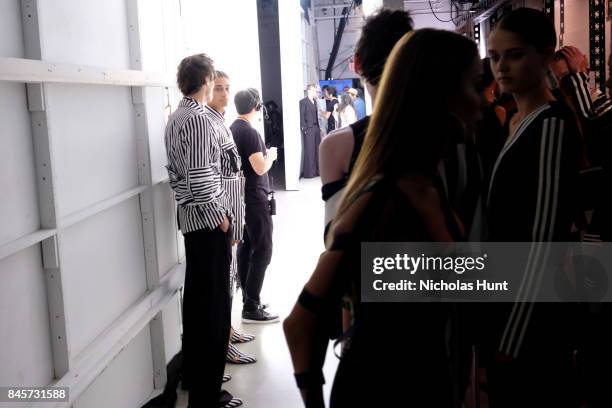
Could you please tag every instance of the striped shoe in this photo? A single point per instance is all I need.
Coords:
(226, 378)
(235, 356)
(227, 400)
(241, 338)
(234, 402)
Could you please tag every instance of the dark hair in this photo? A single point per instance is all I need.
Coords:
(345, 100)
(532, 26)
(487, 74)
(379, 34)
(332, 91)
(221, 74)
(413, 131)
(246, 100)
(192, 73)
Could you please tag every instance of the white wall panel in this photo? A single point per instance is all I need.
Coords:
(155, 99)
(165, 227)
(25, 347)
(85, 32)
(172, 327)
(174, 44)
(228, 32)
(152, 46)
(181, 245)
(11, 38)
(92, 129)
(128, 380)
(19, 210)
(577, 25)
(103, 267)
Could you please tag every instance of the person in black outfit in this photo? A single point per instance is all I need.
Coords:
(255, 251)
(331, 102)
(194, 167)
(311, 134)
(528, 346)
(394, 194)
(339, 149)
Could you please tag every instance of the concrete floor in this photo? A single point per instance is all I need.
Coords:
(298, 242)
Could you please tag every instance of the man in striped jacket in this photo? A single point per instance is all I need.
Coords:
(194, 166)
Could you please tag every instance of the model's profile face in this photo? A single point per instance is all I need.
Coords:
(466, 102)
(221, 93)
(517, 66)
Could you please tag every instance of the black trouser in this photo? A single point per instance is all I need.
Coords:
(254, 252)
(206, 314)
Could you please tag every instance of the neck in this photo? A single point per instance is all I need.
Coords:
(246, 118)
(219, 109)
(529, 101)
(372, 90)
(199, 96)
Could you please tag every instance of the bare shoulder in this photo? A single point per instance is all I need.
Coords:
(335, 153)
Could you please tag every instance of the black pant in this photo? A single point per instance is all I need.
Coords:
(255, 252)
(206, 314)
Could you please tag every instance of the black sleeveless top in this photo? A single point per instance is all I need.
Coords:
(415, 366)
(359, 129)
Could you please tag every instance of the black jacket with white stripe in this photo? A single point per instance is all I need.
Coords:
(531, 195)
(532, 198)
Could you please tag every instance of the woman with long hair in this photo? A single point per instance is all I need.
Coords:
(393, 195)
(531, 198)
(346, 110)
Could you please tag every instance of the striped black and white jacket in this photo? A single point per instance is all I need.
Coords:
(531, 198)
(194, 150)
(588, 107)
(232, 179)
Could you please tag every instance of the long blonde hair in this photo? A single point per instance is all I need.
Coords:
(410, 126)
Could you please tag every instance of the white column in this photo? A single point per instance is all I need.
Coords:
(289, 24)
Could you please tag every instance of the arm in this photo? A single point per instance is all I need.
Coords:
(307, 342)
(575, 85)
(203, 181)
(575, 81)
(262, 164)
(335, 153)
(303, 122)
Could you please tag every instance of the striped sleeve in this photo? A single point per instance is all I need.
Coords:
(544, 222)
(203, 178)
(575, 85)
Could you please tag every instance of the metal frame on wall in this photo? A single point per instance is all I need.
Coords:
(549, 9)
(79, 371)
(561, 22)
(597, 35)
(476, 31)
